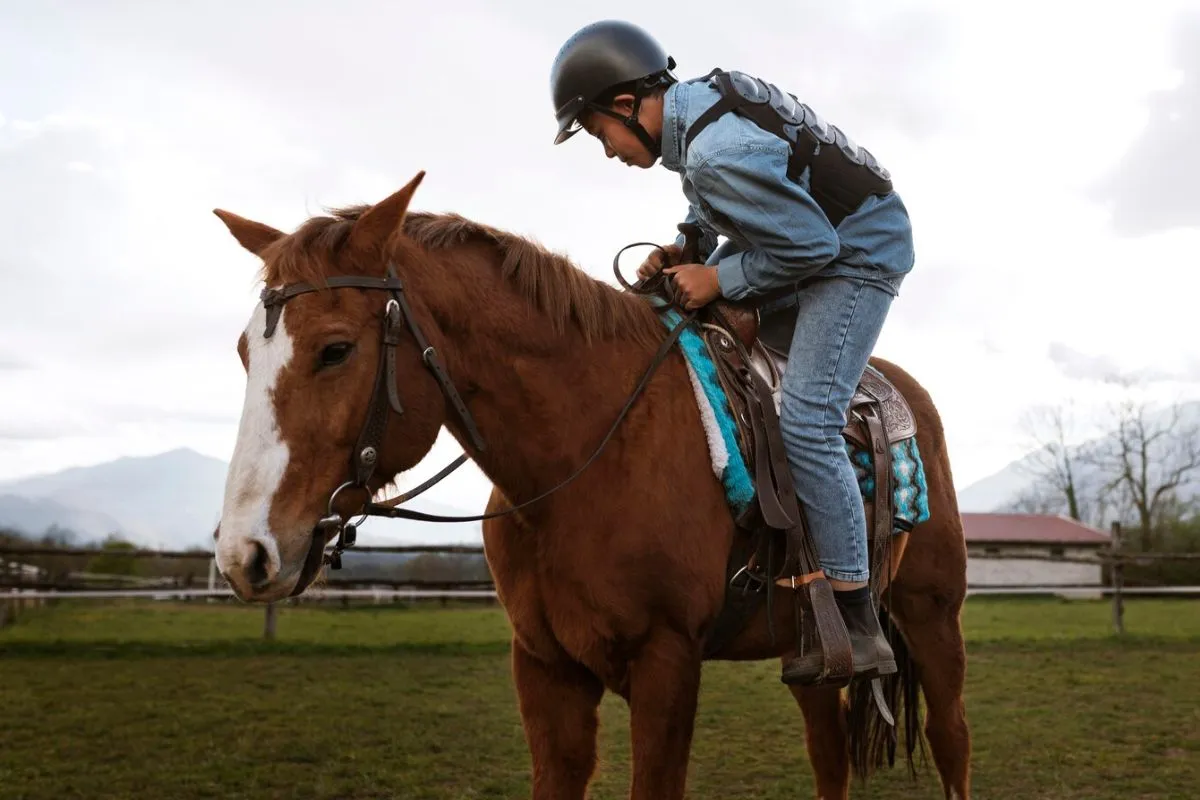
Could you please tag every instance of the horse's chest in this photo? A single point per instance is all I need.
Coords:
(551, 622)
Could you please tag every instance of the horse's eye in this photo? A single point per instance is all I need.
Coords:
(336, 353)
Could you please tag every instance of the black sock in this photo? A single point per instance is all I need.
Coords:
(854, 597)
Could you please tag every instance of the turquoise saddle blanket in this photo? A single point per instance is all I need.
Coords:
(910, 493)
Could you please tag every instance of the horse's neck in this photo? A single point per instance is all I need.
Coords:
(543, 401)
(544, 410)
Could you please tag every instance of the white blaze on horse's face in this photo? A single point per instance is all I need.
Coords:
(247, 550)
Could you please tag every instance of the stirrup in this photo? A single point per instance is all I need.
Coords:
(825, 630)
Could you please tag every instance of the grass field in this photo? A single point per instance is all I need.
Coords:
(185, 701)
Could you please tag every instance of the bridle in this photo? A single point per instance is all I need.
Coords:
(385, 399)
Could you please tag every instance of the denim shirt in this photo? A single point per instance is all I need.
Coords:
(734, 177)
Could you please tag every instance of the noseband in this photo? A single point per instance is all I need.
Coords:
(385, 397)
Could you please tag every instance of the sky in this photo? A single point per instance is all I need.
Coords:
(1047, 156)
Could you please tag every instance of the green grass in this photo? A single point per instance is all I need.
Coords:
(178, 701)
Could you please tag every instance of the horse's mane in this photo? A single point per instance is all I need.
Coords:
(550, 281)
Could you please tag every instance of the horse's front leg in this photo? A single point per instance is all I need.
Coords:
(663, 691)
(558, 704)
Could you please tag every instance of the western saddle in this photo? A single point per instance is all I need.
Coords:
(749, 360)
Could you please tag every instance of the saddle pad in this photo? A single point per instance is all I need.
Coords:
(728, 462)
(910, 495)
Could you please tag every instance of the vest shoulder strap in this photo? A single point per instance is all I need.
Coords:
(743, 94)
(842, 175)
(728, 101)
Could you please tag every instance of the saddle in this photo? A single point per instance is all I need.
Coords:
(877, 418)
(749, 365)
(749, 359)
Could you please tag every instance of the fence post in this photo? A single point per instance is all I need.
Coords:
(1118, 580)
(212, 578)
(8, 611)
(269, 623)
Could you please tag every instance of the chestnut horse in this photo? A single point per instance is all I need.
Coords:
(611, 581)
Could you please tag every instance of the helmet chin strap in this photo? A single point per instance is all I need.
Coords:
(631, 122)
(652, 144)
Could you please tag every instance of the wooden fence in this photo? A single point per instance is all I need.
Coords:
(19, 586)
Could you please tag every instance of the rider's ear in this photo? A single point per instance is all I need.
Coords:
(254, 236)
(623, 104)
(377, 224)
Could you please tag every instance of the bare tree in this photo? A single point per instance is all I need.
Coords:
(1054, 464)
(1152, 454)
(1036, 499)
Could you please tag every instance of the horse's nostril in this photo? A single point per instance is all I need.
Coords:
(257, 571)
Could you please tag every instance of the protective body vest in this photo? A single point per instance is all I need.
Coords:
(841, 174)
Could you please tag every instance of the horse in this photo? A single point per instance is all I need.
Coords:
(379, 326)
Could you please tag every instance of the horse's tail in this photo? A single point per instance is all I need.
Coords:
(871, 739)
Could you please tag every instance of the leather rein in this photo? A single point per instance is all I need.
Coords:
(385, 398)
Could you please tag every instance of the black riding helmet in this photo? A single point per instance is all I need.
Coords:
(597, 57)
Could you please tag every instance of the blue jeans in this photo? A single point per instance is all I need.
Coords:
(838, 320)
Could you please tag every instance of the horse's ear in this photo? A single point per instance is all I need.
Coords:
(254, 236)
(377, 224)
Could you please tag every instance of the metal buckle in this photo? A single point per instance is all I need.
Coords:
(752, 582)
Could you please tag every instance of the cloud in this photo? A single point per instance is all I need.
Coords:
(129, 413)
(1191, 370)
(143, 117)
(1105, 369)
(13, 363)
(35, 431)
(896, 89)
(1074, 364)
(1153, 187)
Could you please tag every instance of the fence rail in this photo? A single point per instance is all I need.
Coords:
(183, 594)
(200, 555)
(1102, 556)
(19, 587)
(13, 593)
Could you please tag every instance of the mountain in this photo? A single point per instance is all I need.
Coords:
(173, 501)
(999, 489)
(36, 516)
(169, 500)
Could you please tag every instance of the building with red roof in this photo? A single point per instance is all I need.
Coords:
(1011, 550)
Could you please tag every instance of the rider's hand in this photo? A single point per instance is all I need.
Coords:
(654, 261)
(696, 285)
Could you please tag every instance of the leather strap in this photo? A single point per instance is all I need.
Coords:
(428, 484)
(741, 601)
(366, 449)
(776, 493)
(434, 364)
(383, 510)
(274, 299)
(882, 459)
(734, 375)
(837, 658)
(366, 455)
(391, 338)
